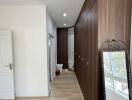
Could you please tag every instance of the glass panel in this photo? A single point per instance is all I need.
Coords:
(121, 88)
(119, 68)
(106, 55)
(109, 83)
(107, 67)
(116, 55)
(115, 75)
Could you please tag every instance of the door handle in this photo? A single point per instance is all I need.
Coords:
(10, 66)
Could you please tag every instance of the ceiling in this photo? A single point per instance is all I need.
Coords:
(56, 9)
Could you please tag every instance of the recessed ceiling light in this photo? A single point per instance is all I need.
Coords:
(65, 24)
(64, 14)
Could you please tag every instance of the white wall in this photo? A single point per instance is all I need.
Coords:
(28, 24)
(71, 47)
(51, 28)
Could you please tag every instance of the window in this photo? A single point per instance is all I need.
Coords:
(121, 88)
(115, 72)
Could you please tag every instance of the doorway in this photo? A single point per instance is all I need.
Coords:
(65, 47)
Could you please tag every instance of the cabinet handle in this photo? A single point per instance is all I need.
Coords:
(82, 59)
(87, 63)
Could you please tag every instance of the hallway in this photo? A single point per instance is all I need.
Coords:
(64, 87)
(39, 38)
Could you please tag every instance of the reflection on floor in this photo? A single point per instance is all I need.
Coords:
(64, 87)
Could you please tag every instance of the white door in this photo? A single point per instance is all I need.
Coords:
(6, 68)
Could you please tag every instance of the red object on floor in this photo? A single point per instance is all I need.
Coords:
(57, 72)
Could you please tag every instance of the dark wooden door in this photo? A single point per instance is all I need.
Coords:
(62, 47)
(86, 48)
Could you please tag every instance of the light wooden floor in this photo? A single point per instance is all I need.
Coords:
(63, 87)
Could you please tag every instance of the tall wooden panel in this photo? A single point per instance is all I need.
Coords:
(114, 20)
(99, 20)
(86, 47)
(62, 47)
(128, 8)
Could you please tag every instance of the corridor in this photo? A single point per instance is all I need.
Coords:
(64, 87)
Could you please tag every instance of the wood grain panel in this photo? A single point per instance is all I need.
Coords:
(128, 7)
(85, 41)
(99, 20)
(62, 47)
(114, 20)
(116, 17)
(102, 22)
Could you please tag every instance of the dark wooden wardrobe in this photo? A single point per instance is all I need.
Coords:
(62, 47)
(99, 20)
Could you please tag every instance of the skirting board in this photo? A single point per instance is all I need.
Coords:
(24, 98)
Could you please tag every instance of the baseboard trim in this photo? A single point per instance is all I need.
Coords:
(39, 97)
